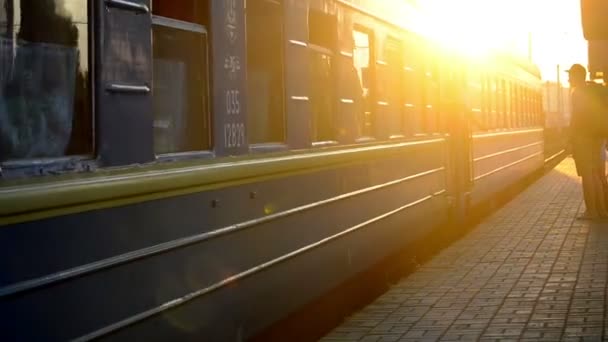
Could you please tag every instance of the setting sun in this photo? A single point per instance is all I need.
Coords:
(518, 27)
(471, 27)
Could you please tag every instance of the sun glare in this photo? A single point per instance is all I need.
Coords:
(472, 27)
(548, 31)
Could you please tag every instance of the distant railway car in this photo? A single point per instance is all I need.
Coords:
(198, 170)
(507, 138)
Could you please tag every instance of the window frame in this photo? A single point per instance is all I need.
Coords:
(432, 97)
(270, 146)
(193, 28)
(315, 48)
(412, 94)
(395, 45)
(371, 40)
(47, 166)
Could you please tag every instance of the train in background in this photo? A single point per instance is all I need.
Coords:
(198, 170)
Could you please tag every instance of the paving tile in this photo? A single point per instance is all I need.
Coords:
(529, 272)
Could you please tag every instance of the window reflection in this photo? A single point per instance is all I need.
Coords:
(322, 96)
(413, 77)
(191, 11)
(322, 37)
(265, 72)
(394, 85)
(362, 60)
(44, 79)
(180, 81)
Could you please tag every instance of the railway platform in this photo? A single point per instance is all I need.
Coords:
(529, 272)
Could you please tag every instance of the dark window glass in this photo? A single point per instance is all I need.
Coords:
(493, 104)
(476, 100)
(265, 72)
(322, 39)
(394, 58)
(322, 29)
(522, 106)
(539, 109)
(322, 97)
(501, 104)
(45, 109)
(504, 105)
(522, 110)
(514, 109)
(535, 111)
(431, 98)
(532, 108)
(505, 98)
(412, 89)
(529, 106)
(514, 120)
(485, 96)
(181, 79)
(526, 107)
(191, 11)
(363, 60)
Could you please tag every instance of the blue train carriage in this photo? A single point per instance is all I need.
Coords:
(198, 169)
(508, 124)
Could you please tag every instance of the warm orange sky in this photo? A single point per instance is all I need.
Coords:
(554, 26)
(557, 36)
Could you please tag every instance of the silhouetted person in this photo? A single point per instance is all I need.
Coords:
(586, 146)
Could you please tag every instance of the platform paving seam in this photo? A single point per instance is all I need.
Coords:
(530, 272)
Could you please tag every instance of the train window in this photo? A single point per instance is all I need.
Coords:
(507, 99)
(265, 72)
(534, 112)
(499, 105)
(45, 94)
(181, 79)
(412, 94)
(493, 103)
(487, 96)
(523, 111)
(505, 106)
(431, 96)
(393, 53)
(363, 60)
(520, 106)
(530, 108)
(514, 106)
(189, 11)
(322, 37)
(516, 102)
(526, 107)
(502, 109)
(533, 109)
(476, 100)
(539, 109)
(498, 97)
